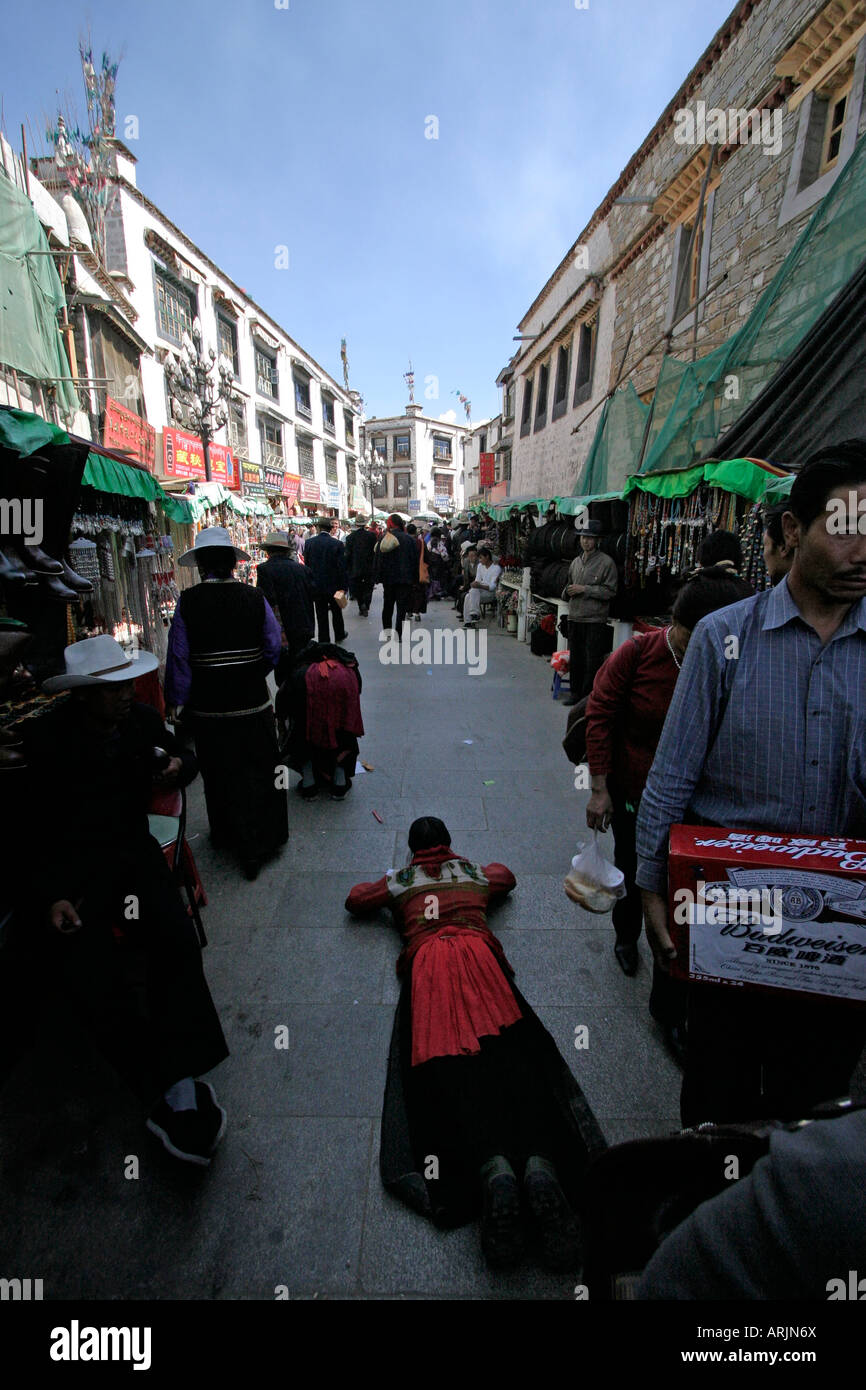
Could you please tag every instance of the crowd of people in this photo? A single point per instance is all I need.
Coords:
(676, 733)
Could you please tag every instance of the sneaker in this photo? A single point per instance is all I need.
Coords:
(554, 1221)
(190, 1135)
(502, 1237)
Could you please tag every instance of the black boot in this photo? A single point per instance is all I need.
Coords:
(502, 1238)
(555, 1222)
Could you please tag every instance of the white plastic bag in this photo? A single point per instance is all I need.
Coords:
(593, 882)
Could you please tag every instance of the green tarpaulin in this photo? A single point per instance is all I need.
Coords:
(26, 433)
(32, 297)
(742, 476)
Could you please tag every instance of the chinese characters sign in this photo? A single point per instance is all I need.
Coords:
(184, 458)
(129, 434)
(487, 468)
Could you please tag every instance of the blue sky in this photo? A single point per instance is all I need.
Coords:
(305, 127)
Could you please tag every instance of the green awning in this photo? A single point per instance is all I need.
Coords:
(107, 475)
(24, 433)
(741, 476)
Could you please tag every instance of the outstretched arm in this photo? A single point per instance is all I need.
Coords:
(367, 898)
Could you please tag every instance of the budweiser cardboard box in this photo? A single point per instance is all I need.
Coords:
(760, 911)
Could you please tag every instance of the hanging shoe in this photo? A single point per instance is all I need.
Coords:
(75, 581)
(57, 589)
(557, 1226)
(13, 570)
(39, 561)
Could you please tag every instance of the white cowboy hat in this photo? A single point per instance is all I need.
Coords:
(99, 661)
(211, 536)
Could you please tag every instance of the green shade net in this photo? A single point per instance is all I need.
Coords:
(31, 296)
(696, 401)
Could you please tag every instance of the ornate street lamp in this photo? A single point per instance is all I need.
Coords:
(203, 384)
(371, 473)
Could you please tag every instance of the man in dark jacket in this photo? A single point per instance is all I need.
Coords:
(325, 558)
(396, 569)
(359, 560)
(288, 588)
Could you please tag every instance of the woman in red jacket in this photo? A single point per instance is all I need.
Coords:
(477, 1091)
(624, 720)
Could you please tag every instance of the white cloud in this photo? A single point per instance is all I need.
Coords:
(449, 418)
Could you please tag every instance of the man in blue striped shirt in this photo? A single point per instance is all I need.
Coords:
(767, 731)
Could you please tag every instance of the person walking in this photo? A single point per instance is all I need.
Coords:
(418, 597)
(396, 568)
(325, 558)
(223, 641)
(772, 741)
(625, 715)
(592, 584)
(360, 545)
(288, 588)
(105, 920)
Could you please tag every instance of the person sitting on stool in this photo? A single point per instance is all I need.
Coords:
(483, 586)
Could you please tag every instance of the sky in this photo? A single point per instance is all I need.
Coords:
(425, 163)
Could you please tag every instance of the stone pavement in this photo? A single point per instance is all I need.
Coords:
(294, 1197)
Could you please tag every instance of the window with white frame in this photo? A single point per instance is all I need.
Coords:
(306, 466)
(302, 396)
(271, 439)
(328, 414)
(441, 447)
(267, 380)
(227, 339)
(175, 307)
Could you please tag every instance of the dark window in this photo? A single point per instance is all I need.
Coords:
(380, 449)
(506, 466)
(443, 485)
(266, 375)
(401, 446)
(482, 443)
(585, 356)
(441, 447)
(331, 468)
(526, 417)
(401, 484)
(351, 472)
(380, 489)
(328, 414)
(271, 436)
(227, 337)
(175, 308)
(305, 461)
(508, 409)
(349, 425)
(302, 398)
(541, 403)
(560, 390)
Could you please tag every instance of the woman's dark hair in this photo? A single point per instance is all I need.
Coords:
(828, 470)
(396, 522)
(708, 590)
(426, 833)
(720, 545)
(773, 522)
(215, 560)
(411, 529)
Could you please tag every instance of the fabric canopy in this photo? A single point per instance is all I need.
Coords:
(746, 477)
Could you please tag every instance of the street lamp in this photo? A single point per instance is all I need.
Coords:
(203, 384)
(371, 473)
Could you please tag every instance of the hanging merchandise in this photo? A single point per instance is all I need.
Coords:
(106, 560)
(84, 559)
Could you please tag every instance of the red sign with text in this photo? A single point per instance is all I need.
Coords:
(487, 468)
(309, 492)
(184, 458)
(291, 484)
(129, 434)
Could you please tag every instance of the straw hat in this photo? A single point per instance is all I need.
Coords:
(99, 661)
(212, 537)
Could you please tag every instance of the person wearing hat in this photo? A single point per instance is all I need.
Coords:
(288, 588)
(104, 919)
(325, 558)
(591, 587)
(360, 546)
(396, 569)
(223, 642)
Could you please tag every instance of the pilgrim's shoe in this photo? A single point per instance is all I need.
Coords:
(251, 869)
(675, 1037)
(307, 793)
(75, 581)
(190, 1135)
(627, 958)
(554, 1220)
(502, 1238)
(57, 589)
(39, 561)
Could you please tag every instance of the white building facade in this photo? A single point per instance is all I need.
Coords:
(421, 461)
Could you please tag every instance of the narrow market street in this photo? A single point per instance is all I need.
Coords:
(294, 1197)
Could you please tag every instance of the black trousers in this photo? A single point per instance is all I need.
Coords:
(588, 645)
(395, 595)
(136, 983)
(752, 1055)
(667, 1002)
(362, 591)
(325, 604)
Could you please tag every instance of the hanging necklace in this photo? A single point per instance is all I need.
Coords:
(677, 662)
